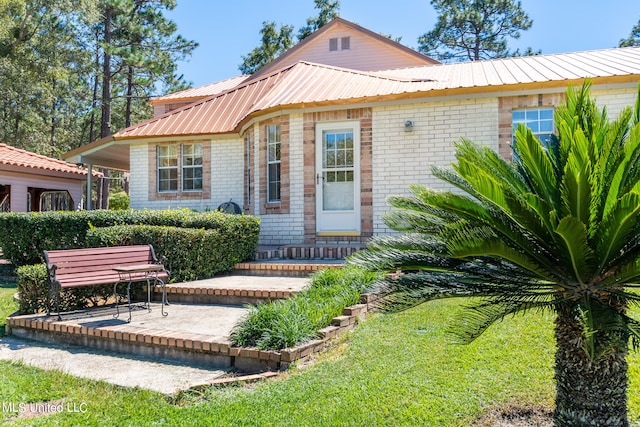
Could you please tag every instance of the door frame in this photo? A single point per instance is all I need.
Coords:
(326, 220)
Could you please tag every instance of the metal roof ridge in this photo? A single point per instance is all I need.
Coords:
(510, 58)
(373, 74)
(202, 101)
(174, 94)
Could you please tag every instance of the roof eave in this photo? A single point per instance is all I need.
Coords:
(80, 175)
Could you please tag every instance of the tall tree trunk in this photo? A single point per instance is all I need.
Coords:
(52, 136)
(94, 101)
(127, 117)
(105, 122)
(589, 392)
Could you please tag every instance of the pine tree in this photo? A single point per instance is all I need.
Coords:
(474, 29)
(633, 39)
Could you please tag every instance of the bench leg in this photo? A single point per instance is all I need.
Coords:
(54, 292)
(129, 300)
(156, 282)
(115, 296)
(149, 295)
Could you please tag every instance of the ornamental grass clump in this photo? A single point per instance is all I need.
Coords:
(557, 230)
(286, 323)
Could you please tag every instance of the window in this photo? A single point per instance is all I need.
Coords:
(248, 166)
(192, 167)
(345, 43)
(273, 163)
(539, 120)
(333, 44)
(167, 168)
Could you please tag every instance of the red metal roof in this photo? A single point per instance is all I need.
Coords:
(299, 83)
(306, 83)
(11, 156)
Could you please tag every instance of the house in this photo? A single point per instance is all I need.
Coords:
(316, 141)
(30, 182)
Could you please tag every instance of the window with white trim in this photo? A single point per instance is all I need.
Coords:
(539, 120)
(273, 163)
(167, 168)
(179, 163)
(192, 167)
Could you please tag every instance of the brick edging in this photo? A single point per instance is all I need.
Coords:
(242, 358)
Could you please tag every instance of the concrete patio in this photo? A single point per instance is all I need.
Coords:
(189, 347)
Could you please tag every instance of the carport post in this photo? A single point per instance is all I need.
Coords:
(90, 172)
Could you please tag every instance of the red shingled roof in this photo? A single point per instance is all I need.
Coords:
(11, 156)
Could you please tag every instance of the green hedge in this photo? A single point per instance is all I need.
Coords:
(190, 253)
(33, 287)
(23, 236)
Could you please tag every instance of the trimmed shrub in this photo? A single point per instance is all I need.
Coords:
(196, 245)
(23, 236)
(33, 287)
(119, 201)
(190, 253)
(286, 323)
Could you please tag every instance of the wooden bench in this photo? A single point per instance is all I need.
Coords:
(71, 268)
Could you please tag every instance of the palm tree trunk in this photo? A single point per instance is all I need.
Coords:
(589, 392)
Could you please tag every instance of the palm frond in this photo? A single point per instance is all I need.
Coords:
(478, 318)
(573, 240)
(557, 229)
(536, 165)
(621, 274)
(616, 229)
(576, 178)
(473, 156)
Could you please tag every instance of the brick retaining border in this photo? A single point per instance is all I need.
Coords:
(187, 347)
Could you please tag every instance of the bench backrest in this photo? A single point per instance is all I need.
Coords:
(92, 266)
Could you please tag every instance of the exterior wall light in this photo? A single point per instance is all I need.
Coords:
(408, 125)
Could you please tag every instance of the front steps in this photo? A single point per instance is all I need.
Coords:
(199, 322)
(285, 268)
(324, 251)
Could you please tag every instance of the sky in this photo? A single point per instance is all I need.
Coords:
(226, 30)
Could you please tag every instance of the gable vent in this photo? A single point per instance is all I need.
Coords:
(345, 43)
(333, 44)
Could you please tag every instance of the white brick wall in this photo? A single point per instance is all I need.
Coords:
(615, 100)
(399, 158)
(227, 175)
(139, 176)
(402, 158)
(283, 229)
(227, 171)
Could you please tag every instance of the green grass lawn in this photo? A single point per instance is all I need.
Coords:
(399, 369)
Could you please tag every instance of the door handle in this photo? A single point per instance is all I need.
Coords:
(318, 178)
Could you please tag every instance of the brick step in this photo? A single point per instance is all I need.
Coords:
(285, 268)
(234, 289)
(308, 252)
(241, 296)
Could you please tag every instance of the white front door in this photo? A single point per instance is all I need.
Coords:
(338, 177)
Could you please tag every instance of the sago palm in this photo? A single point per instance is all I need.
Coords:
(556, 229)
